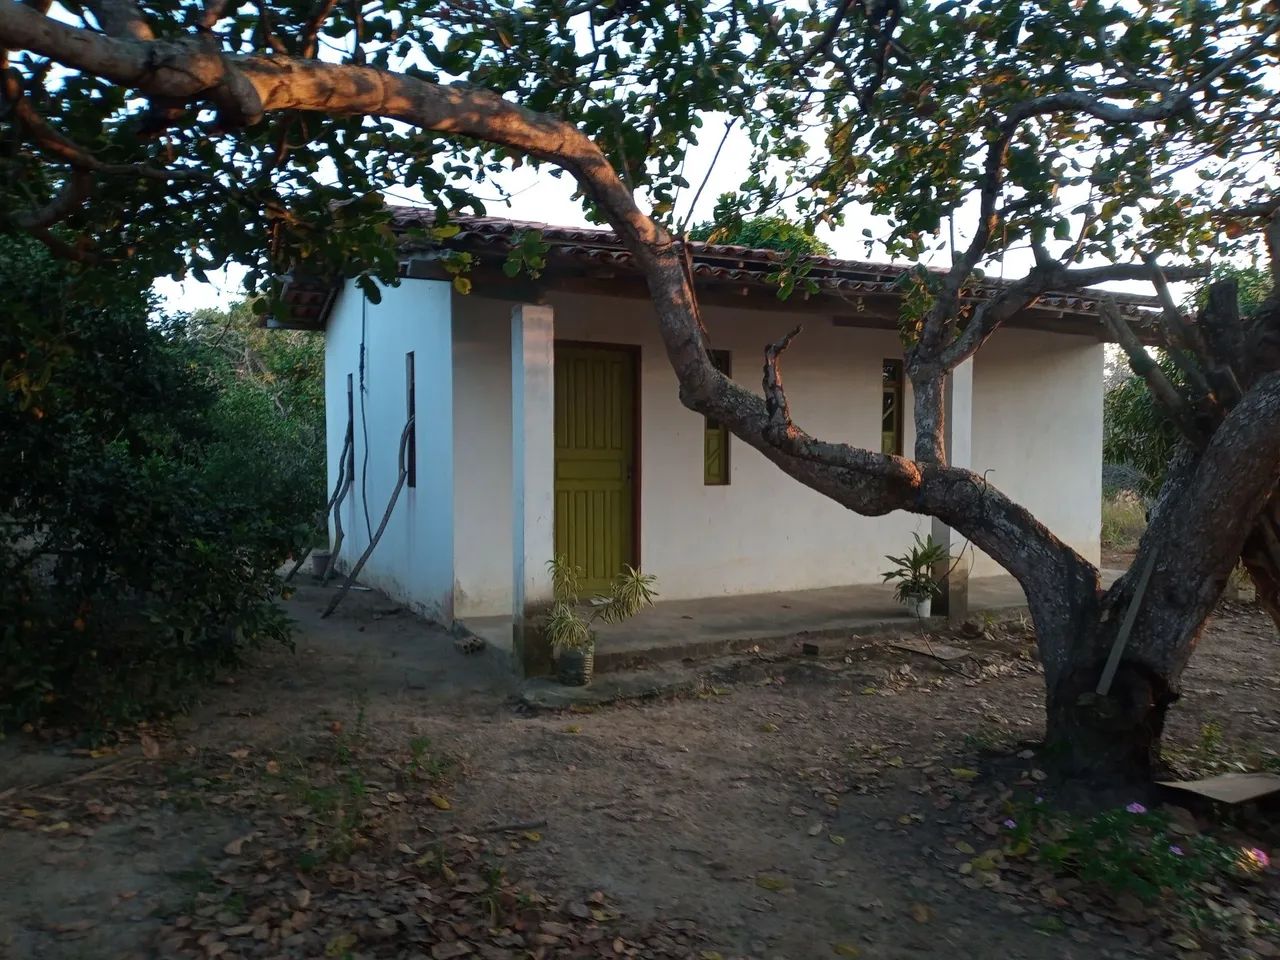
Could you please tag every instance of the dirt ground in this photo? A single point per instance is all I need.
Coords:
(798, 807)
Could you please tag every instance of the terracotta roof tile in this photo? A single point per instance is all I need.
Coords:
(586, 249)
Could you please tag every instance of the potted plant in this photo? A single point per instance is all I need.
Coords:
(916, 586)
(570, 630)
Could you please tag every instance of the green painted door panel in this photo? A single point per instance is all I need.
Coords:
(595, 460)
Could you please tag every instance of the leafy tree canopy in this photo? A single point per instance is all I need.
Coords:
(1096, 128)
(728, 226)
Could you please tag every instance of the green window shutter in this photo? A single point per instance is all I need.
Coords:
(715, 467)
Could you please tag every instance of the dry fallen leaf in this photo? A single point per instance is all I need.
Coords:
(845, 950)
(150, 746)
(921, 913)
(233, 848)
(439, 802)
(450, 950)
(766, 882)
(340, 945)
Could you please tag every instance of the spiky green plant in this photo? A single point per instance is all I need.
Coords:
(913, 571)
(567, 627)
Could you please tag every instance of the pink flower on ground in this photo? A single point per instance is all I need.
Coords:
(1136, 807)
(1011, 823)
(1256, 859)
(1175, 849)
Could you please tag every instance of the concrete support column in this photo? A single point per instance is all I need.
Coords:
(953, 576)
(533, 481)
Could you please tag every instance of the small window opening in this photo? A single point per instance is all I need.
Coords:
(715, 435)
(411, 448)
(891, 407)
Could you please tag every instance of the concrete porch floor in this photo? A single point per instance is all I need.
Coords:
(680, 629)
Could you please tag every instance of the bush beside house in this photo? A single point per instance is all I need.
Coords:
(152, 486)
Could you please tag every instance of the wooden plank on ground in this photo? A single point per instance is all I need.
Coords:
(1229, 787)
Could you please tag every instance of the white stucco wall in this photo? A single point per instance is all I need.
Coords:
(1037, 434)
(762, 532)
(413, 563)
(483, 567)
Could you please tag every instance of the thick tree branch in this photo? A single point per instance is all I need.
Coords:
(781, 430)
(121, 18)
(1165, 393)
(70, 198)
(1232, 481)
(1046, 277)
(1181, 336)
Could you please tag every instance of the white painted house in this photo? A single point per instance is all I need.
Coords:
(546, 420)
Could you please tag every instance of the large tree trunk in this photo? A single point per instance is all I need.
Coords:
(1114, 738)
(1211, 504)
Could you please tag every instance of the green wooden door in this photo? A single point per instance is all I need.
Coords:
(595, 460)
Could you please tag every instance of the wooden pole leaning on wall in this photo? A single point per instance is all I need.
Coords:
(386, 518)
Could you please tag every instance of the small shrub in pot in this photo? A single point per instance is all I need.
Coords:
(570, 629)
(915, 586)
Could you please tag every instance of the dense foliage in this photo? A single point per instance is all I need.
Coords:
(149, 493)
(1136, 433)
(728, 225)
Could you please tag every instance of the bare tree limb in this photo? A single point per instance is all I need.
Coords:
(73, 194)
(121, 18)
(67, 150)
(1165, 393)
(777, 409)
(311, 32)
(1181, 335)
(214, 10)
(1046, 277)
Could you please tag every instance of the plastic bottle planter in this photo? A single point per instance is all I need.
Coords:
(575, 667)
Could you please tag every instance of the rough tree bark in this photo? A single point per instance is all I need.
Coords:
(1208, 512)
